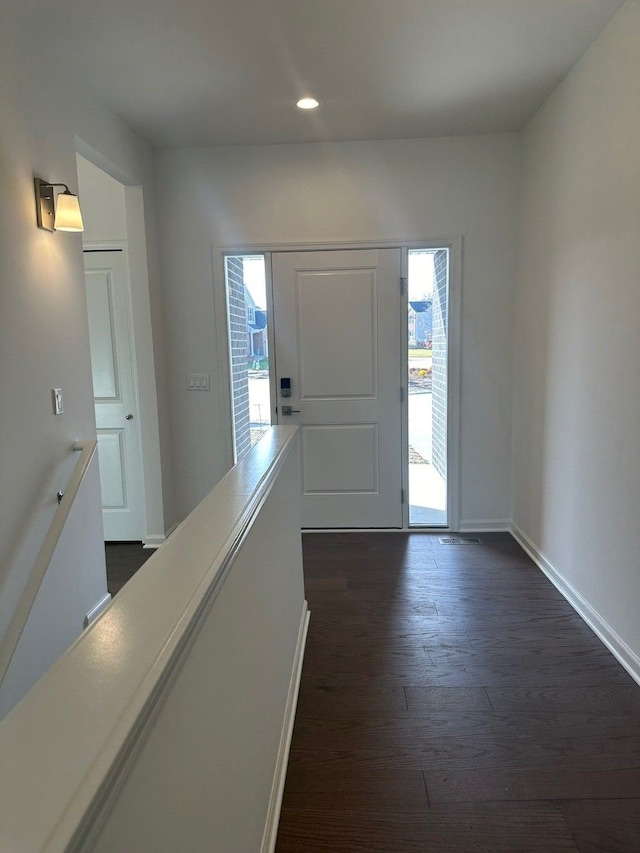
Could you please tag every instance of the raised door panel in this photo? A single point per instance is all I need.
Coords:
(113, 481)
(340, 459)
(337, 332)
(102, 336)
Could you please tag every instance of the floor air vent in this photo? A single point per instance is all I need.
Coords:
(460, 540)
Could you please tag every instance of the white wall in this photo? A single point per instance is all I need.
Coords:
(577, 398)
(103, 204)
(43, 321)
(352, 191)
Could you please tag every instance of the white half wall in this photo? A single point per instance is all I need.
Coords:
(576, 486)
(344, 192)
(166, 726)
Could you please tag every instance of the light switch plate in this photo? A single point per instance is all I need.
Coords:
(198, 382)
(56, 399)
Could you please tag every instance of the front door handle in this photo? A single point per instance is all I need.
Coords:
(287, 410)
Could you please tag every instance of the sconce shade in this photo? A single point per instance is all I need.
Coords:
(68, 216)
(57, 214)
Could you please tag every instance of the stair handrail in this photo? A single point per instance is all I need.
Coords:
(23, 609)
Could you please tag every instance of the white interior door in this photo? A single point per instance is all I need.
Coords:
(337, 319)
(114, 396)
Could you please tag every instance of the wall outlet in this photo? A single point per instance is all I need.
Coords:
(198, 382)
(56, 399)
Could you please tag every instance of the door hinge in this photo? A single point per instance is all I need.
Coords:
(401, 496)
(401, 394)
(403, 284)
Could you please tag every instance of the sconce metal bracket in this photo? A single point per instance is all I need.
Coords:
(45, 206)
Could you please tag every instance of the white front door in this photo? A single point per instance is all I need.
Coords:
(114, 395)
(337, 321)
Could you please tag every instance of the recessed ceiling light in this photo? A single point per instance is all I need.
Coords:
(307, 103)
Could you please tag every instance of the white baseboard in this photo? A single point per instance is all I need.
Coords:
(474, 525)
(277, 789)
(485, 525)
(96, 610)
(155, 541)
(616, 645)
(312, 530)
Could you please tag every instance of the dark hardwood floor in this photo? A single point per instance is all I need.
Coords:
(451, 700)
(123, 561)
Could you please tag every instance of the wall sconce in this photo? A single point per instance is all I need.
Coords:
(61, 214)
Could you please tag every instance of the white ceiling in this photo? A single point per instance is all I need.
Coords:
(227, 72)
